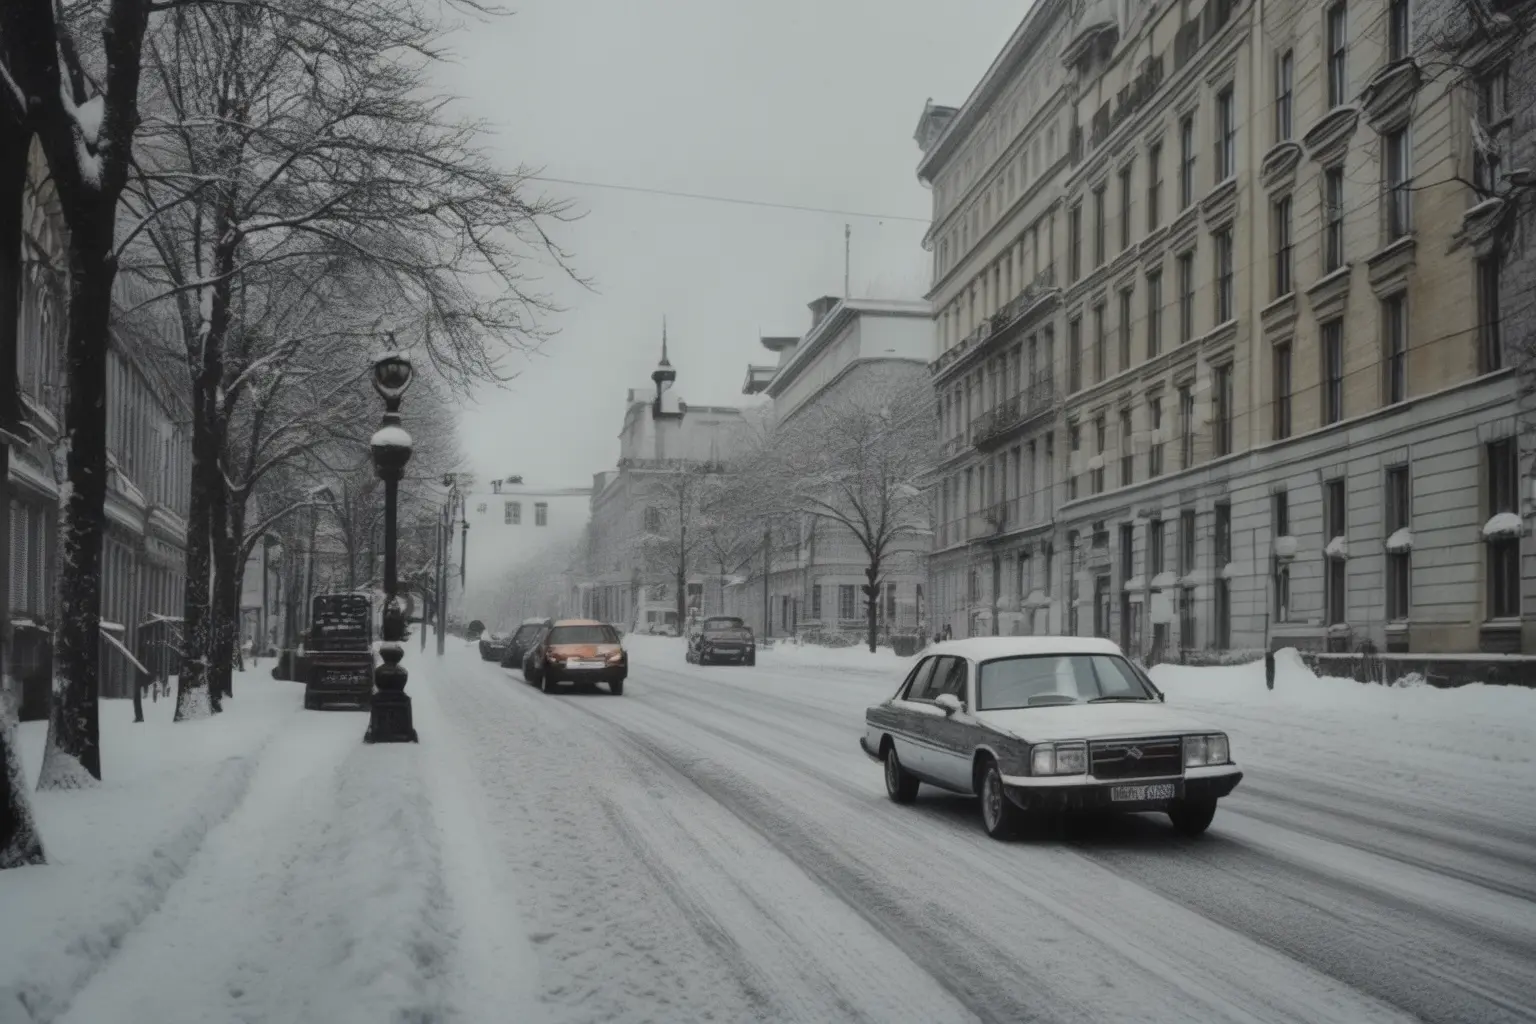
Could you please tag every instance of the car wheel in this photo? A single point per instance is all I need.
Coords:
(310, 704)
(751, 660)
(1191, 817)
(547, 681)
(1000, 816)
(900, 784)
(616, 687)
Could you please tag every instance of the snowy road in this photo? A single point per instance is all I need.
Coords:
(713, 847)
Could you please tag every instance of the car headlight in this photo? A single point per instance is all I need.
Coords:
(1058, 759)
(615, 657)
(1212, 748)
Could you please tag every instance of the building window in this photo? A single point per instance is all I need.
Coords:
(1155, 449)
(1399, 29)
(1186, 161)
(1098, 227)
(890, 602)
(1280, 570)
(1282, 391)
(1098, 445)
(816, 602)
(1186, 427)
(1504, 548)
(1226, 135)
(652, 520)
(1338, 53)
(1333, 211)
(1333, 371)
(1075, 354)
(1155, 547)
(512, 513)
(1490, 339)
(1154, 313)
(1187, 542)
(1047, 554)
(845, 598)
(540, 514)
(1223, 585)
(1186, 296)
(1394, 325)
(1125, 207)
(1285, 73)
(1224, 310)
(1223, 401)
(1154, 186)
(1075, 443)
(1127, 452)
(1100, 345)
(1396, 183)
(1399, 543)
(1126, 296)
(1075, 242)
(1493, 119)
(1334, 510)
(1283, 246)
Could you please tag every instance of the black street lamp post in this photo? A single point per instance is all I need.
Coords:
(389, 721)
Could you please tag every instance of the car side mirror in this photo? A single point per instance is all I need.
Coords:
(949, 702)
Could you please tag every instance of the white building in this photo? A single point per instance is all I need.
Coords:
(816, 569)
(515, 530)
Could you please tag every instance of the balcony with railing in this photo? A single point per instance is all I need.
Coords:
(1040, 290)
(1035, 402)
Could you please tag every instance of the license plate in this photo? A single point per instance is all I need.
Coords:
(1137, 794)
(586, 664)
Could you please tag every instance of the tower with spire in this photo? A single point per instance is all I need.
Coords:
(664, 375)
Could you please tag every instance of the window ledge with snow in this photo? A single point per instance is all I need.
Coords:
(1338, 547)
(1285, 547)
(1503, 526)
(1400, 541)
(1135, 583)
(1229, 571)
(1163, 580)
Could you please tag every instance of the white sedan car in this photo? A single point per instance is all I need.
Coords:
(1046, 724)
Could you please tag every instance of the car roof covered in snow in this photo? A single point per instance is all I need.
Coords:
(984, 648)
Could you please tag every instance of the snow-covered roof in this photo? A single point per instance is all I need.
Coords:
(982, 648)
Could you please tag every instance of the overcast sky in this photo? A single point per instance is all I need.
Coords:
(804, 102)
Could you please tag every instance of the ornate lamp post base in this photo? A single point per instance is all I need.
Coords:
(389, 719)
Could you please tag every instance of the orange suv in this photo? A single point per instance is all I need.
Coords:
(578, 651)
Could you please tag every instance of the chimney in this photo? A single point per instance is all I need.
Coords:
(821, 307)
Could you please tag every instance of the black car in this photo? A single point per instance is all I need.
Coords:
(722, 638)
(493, 646)
(519, 642)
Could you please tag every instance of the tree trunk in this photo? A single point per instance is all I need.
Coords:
(19, 842)
(226, 546)
(872, 601)
(193, 697)
(72, 757)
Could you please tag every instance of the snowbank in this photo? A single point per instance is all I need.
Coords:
(114, 851)
(1474, 743)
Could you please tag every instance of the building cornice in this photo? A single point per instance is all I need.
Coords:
(843, 315)
(1005, 66)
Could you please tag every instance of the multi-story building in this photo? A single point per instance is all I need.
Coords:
(513, 526)
(1289, 414)
(625, 572)
(995, 167)
(143, 552)
(815, 567)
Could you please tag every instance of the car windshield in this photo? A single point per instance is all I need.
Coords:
(526, 633)
(583, 635)
(719, 625)
(1041, 680)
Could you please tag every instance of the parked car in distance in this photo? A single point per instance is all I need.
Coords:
(1046, 724)
(577, 651)
(493, 645)
(521, 639)
(721, 638)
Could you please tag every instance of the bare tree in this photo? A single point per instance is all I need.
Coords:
(852, 460)
(676, 536)
(291, 144)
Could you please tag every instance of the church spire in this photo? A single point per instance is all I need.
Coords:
(663, 372)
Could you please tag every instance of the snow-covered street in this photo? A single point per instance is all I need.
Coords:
(713, 846)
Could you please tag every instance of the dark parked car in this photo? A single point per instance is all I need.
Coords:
(577, 651)
(722, 638)
(519, 642)
(493, 646)
(339, 652)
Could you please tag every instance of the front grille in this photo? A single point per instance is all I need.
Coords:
(1113, 759)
